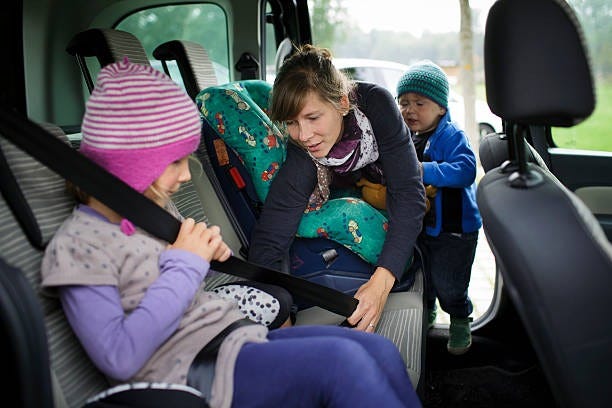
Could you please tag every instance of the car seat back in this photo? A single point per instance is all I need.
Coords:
(46, 194)
(553, 255)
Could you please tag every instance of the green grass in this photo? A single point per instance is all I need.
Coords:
(595, 133)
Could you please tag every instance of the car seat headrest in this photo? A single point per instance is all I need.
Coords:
(194, 64)
(537, 68)
(108, 46)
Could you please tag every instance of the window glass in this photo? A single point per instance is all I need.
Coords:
(205, 24)
(594, 133)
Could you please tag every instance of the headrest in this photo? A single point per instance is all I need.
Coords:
(195, 66)
(108, 46)
(536, 64)
(493, 152)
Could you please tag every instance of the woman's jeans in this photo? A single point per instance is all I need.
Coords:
(322, 366)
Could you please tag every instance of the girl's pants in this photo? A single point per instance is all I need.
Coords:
(322, 366)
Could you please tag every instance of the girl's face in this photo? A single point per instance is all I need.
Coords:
(420, 113)
(318, 126)
(175, 174)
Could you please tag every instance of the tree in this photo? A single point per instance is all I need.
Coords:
(326, 17)
(468, 82)
(596, 19)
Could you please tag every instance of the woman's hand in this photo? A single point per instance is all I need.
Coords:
(201, 240)
(372, 297)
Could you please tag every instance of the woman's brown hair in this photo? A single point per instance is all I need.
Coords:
(309, 69)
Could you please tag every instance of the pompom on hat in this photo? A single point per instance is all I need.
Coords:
(427, 79)
(137, 121)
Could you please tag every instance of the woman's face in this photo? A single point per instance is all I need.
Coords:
(317, 127)
(420, 113)
(175, 174)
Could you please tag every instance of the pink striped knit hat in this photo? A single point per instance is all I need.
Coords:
(137, 121)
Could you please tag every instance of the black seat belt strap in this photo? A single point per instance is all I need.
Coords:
(143, 212)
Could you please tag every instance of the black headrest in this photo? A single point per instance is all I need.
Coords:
(107, 45)
(536, 65)
(195, 66)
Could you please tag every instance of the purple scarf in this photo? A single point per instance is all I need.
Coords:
(356, 149)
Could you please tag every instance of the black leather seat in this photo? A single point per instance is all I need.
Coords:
(553, 255)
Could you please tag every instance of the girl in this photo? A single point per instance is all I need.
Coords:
(136, 303)
(343, 134)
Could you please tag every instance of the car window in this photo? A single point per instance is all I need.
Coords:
(594, 132)
(205, 24)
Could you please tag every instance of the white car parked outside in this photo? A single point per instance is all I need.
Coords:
(387, 73)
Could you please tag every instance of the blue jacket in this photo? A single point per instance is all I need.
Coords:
(449, 163)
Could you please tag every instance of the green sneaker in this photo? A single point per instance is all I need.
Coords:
(459, 335)
(431, 318)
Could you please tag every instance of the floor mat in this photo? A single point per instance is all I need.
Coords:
(488, 386)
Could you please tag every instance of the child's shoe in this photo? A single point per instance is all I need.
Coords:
(431, 318)
(459, 335)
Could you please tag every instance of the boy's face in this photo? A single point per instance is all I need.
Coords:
(420, 113)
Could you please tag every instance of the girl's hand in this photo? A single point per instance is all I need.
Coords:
(222, 253)
(201, 240)
(372, 297)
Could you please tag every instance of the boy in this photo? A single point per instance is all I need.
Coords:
(448, 167)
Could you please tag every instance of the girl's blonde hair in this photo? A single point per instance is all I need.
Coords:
(309, 69)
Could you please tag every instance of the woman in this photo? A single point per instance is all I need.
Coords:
(342, 132)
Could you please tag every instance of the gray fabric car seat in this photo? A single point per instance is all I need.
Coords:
(555, 260)
(74, 376)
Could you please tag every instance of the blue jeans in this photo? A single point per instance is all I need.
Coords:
(322, 366)
(448, 267)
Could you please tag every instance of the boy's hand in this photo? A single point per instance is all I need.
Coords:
(201, 240)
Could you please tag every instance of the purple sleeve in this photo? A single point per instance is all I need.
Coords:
(119, 344)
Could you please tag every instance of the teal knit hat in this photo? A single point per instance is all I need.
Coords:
(427, 79)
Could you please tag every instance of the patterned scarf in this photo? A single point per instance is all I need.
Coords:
(356, 149)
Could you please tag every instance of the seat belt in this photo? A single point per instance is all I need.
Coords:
(143, 212)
